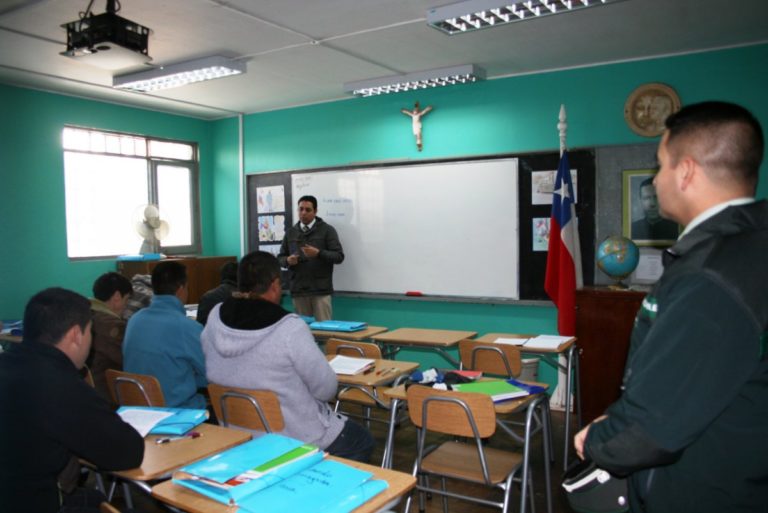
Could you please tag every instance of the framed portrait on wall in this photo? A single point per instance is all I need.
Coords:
(641, 220)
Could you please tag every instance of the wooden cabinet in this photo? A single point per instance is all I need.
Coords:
(203, 273)
(604, 320)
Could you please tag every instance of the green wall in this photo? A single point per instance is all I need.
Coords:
(33, 249)
(512, 115)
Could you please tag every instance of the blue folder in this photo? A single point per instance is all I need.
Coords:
(338, 326)
(308, 484)
(182, 420)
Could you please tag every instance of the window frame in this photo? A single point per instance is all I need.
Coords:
(152, 164)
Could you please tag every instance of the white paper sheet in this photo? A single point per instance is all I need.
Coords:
(143, 420)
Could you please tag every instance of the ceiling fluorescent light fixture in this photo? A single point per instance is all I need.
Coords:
(477, 14)
(418, 80)
(179, 74)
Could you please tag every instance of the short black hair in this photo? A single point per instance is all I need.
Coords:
(52, 312)
(167, 277)
(229, 272)
(311, 199)
(257, 271)
(721, 136)
(648, 181)
(107, 284)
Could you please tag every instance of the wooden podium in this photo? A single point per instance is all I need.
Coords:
(203, 273)
(604, 320)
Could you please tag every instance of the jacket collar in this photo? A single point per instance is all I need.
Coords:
(730, 220)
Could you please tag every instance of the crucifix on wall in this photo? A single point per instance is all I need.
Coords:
(416, 115)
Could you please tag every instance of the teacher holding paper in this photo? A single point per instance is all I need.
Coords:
(309, 250)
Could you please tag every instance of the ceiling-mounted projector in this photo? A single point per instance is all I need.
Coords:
(107, 40)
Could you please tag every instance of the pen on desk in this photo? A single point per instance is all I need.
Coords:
(384, 372)
(168, 439)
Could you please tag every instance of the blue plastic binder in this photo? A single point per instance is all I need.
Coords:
(338, 326)
(213, 476)
(307, 483)
(182, 420)
(329, 486)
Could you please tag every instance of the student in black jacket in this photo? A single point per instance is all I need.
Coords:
(50, 416)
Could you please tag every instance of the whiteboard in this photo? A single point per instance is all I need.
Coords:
(442, 229)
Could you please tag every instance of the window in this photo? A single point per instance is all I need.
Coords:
(110, 178)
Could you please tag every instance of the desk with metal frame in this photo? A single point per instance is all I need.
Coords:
(570, 351)
(357, 336)
(400, 483)
(385, 372)
(160, 460)
(530, 404)
(432, 339)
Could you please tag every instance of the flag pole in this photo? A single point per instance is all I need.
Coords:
(562, 127)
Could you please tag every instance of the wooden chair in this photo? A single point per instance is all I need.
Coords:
(367, 397)
(505, 360)
(473, 417)
(257, 410)
(129, 389)
(498, 359)
(106, 507)
(88, 376)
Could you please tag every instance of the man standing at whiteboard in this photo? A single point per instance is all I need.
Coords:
(309, 250)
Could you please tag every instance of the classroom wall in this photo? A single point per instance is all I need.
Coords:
(33, 249)
(512, 115)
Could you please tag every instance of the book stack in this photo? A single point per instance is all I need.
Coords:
(499, 389)
(277, 474)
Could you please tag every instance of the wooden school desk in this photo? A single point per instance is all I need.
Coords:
(357, 336)
(160, 460)
(385, 372)
(571, 368)
(7, 337)
(185, 499)
(435, 340)
(530, 404)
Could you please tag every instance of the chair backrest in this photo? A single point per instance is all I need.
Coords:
(452, 413)
(106, 507)
(129, 389)
(499, 359)
(352, 348)
(252, 409)
(88, 376)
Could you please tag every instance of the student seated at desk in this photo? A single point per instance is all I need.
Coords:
(162, 341)
(51, 417)
(215, 296)
(250, 341)
(110, 295)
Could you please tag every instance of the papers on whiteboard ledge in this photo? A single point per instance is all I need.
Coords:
(540, 342)
(347, 365)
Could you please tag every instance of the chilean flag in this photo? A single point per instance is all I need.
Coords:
(564, 258)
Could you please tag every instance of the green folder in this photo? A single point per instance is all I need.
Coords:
(499, 390)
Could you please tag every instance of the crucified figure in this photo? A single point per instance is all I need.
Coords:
(416, 118)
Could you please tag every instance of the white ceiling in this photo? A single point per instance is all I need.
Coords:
(300, 52)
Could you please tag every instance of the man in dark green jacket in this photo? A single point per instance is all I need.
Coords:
(691, 427)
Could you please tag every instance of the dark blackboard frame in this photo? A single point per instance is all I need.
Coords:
(532, 264)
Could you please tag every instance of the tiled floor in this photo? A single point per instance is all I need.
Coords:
(403, 460)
